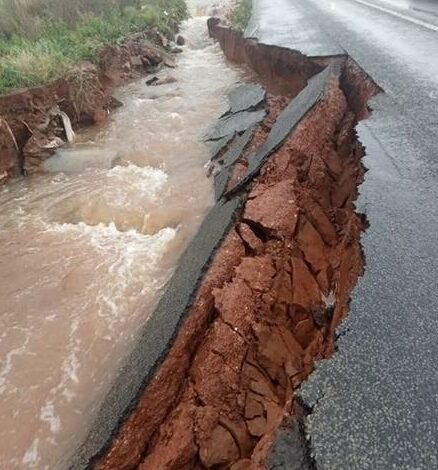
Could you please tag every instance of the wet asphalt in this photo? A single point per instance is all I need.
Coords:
(374, 405)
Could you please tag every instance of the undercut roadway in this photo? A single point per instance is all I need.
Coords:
(374, 404)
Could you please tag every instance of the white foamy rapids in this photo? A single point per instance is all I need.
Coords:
(120, 253)
(147, 179)
(147, 183)
(106, 237)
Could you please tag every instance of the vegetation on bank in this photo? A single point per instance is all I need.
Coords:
(241, 15)
(41, 39)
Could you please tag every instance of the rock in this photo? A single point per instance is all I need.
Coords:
(322, 223)
(155, 81)
(306, 291)
(174, 49)
(179, 452)
(180, 41)
(253, 407)
(274, 208)
(40, 147)
(257, 426)
(234, 298)
(151, 81)
(257, 272)
(313, 247)
(244, 464)
(304, 332)
(153, 55)
(114, 103)
(168, 62)
(273, 415)
(220, 450)
(249, 237)
(146, 63)
(216, 445)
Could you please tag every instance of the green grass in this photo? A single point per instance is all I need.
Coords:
(56, 44)
(241, 15)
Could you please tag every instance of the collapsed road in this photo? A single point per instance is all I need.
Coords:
(222, 374)
(259, 295)
(374, 405)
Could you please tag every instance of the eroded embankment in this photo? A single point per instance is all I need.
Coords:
(32, 121)
(278, 286)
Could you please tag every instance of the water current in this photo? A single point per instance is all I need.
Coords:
(87, 246)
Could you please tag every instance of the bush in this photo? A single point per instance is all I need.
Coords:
(43, 38)
(241, 15)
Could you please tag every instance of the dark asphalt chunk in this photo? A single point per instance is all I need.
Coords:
(158, 332)
(286, 122)
(234, 123)
(216, 146)
(238, 147)
(221, 182)
(246, 97)
(230, 157)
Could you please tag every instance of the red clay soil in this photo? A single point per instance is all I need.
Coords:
(33, 115)
(268, 306)
(282, 71)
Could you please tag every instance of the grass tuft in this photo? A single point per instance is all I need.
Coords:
(241, 15)
(41, 39)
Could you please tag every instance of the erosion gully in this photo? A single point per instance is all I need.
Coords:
(87, 248)
(275, 291)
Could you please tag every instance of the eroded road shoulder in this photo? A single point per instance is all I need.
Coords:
(260, 291)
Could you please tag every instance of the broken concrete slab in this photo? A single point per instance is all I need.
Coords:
(287, 121)
(246, 97)
(233, 123)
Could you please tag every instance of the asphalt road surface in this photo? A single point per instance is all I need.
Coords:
(375, 403)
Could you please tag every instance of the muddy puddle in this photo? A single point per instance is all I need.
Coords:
(86, 248)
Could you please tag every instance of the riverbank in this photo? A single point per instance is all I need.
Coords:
(39, 45)
(35, 122)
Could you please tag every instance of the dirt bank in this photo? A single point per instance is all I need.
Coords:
(277, 288)
(32, 121)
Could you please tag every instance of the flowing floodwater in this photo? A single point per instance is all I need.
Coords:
(86, 249)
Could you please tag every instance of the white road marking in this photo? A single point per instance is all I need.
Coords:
(416, 21)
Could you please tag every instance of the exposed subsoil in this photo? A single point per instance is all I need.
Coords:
(31, 124)
(277, 288)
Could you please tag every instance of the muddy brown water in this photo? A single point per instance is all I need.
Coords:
(86, 248)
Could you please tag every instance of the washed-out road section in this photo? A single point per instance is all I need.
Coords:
(374, 404)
